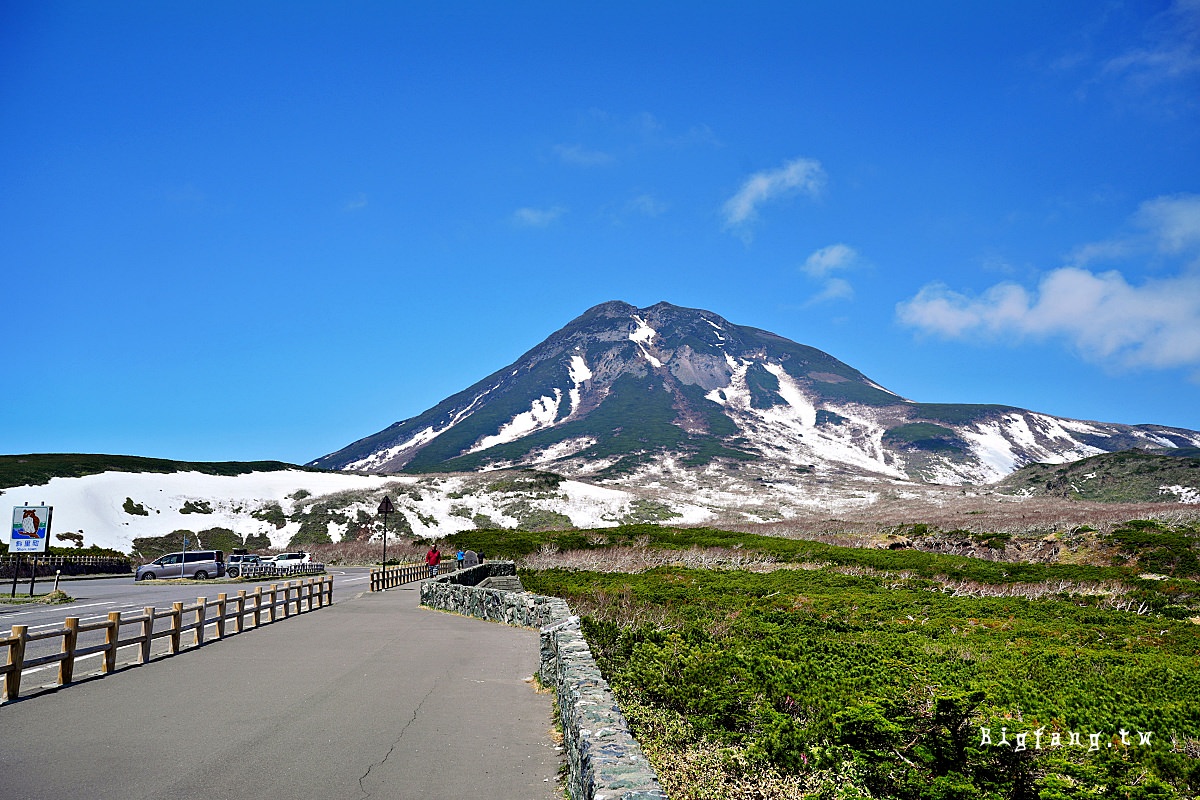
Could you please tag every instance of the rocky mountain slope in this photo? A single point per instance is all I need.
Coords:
(624, 391)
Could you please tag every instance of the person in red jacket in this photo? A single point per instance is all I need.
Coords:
(432, 559)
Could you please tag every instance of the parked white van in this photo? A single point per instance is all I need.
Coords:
(198, 564)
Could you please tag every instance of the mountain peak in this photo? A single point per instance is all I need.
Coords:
(620, 388)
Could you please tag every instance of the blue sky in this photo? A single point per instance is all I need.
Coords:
(234, 231)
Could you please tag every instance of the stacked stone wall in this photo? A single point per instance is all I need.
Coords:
(605, 761)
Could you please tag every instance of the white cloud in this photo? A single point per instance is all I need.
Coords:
(1101, 315)
(581, 156)
(357, 204)
(537, 217)
(1173, 221)
(822, 264)
(832, 289)
(800, 175)
(646, 205)
(827, 259)
(1172, 50)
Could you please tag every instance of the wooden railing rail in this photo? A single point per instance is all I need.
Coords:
(260, 607)
(391, 577)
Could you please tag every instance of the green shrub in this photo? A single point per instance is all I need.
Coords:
(134, 509)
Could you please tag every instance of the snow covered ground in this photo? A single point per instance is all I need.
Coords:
(96, 505)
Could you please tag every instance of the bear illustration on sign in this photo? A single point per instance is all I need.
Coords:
(30, 523)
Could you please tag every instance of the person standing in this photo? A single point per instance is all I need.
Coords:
(459, 556)
(432, 559)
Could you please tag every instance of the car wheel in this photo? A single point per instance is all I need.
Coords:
(147, 576)
(201, 575)
(233, 572)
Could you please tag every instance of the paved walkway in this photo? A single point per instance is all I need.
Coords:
(371, 698)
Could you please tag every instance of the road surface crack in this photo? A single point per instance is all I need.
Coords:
(396, 743)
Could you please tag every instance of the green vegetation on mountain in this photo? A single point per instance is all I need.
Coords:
(1127, 476)
(635, 421)
(763, 387)
(959, 413)
(151, 547)
(867, 673)
(36, 469)
(925, 436)
(1157, 548)
(196, 507)
(866, 686)
(134, 509)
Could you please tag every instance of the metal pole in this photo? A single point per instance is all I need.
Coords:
(32, 574)
(183, 558)
(16, 565)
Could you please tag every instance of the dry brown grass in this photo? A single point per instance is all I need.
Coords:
(979, 514)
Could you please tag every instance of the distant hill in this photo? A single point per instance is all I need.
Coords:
(36, 469)
(1124, 477)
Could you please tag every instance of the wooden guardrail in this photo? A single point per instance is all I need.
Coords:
(391, 577)
(262, 606)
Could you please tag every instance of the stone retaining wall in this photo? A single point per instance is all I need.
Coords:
(605, 761)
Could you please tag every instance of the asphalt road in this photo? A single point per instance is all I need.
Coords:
(373, 697)
(95, 599)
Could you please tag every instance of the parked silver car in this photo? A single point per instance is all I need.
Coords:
(198, 564)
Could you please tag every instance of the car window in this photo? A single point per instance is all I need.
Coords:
(167, 560)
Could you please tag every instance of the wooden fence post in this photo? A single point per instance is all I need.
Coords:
(66, 667)
(112, 635)
(257, 606)
(16, 660)
(176, 624)
(241, 610)
(147, 634)
(274, 588)
(202, 606)
(222, 607)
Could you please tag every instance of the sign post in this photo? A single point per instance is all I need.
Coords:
(385, 508)
(30, 534)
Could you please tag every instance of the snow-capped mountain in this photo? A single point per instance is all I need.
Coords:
(623, 390)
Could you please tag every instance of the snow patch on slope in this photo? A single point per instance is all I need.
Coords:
(643, 337)
(789, 432)
(541, 414)
(579, 372)
(993, 450)
(1185, 494)
(790, 391)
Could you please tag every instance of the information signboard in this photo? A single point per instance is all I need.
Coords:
(30, 529)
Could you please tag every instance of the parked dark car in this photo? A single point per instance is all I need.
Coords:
(237, 562)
